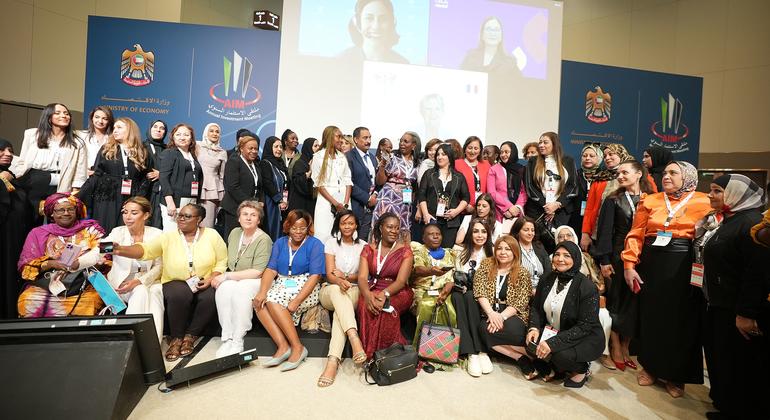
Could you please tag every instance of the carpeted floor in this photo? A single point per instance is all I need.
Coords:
(260, 393)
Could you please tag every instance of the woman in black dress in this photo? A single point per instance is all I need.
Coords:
(615, 220)
(301, 185)
(242, 180)
(275, 175)
(156, 134)
(120, 172)
(443, 196)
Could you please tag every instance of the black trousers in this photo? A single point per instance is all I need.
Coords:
(468, 321)
(514, 333)
(562, 361)
(181, 303)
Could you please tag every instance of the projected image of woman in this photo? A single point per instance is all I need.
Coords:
(373, 32)
(489, 55)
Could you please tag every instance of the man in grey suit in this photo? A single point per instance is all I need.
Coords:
(363, 168)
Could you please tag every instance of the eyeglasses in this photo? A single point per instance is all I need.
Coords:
(553, 175)
(298, 229)
(185, 216)
(64, 210)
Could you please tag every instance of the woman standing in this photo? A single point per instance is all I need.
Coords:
(181, 175)
(551, 182)
(242, 180)
(443, 196)
(384, 150)
(659, 245)
(212, 158)
(655, 159)
(120, 172)
(248, 249)
(484, 209)
(332, 179)
(137, 282)
(289, 288)
(340, 292)
(736, 347)
(275, 176)
(590, 162)
(615, 221)
(301, 186)
(534, 257)
(155, 145)
(473, 169)
(398, 179)
(506, 186)
(290, 154)
(490, 55)
(384, 269)
(430, 161)
(100, 122)
(52, 158)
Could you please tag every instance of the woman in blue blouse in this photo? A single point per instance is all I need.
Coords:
(290, 286)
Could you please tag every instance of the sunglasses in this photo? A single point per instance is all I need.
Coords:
(553, 175)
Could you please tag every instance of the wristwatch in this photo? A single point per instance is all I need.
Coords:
(386, 292)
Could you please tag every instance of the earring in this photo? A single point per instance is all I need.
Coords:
(338, 236)
(355, 235)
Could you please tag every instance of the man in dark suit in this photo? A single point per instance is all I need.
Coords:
(363, 168)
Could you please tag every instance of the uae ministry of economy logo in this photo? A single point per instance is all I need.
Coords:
(234, 98)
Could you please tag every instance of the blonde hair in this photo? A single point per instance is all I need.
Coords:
(515, 264)
(327, 143)
(136, 151)
(557, 152)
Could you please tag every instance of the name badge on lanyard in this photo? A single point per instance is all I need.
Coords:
(291, 285)
(125, 184)
(407, 195)
(194, 185)
(583, 206)
(293, 254)
(696, 275)
(548, 332)
(285, 193)
(663, 238)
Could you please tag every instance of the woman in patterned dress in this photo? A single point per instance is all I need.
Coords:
(398, 178)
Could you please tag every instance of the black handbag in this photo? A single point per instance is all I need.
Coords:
(75, 283)
(395, 364)
(464, 280)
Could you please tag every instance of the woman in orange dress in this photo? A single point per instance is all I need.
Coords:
(657, 262)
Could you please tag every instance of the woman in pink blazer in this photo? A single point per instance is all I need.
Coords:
(506, 184)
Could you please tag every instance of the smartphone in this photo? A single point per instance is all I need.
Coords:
(386, 306)
(445, 268)
(70, 253)
(106, 247)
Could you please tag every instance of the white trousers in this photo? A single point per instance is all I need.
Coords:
(606, 321)
(147, 300)
(234, 307)
(169, 222)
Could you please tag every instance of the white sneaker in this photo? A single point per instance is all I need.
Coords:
(474, 365)
(236, 346)
(486, 364)
(225, 348)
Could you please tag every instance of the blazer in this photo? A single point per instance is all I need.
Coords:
(172, 169)
(239, 184)
(580, 327)
(362, 182)
(74, 170)
(516, 296)
(483, 169)
(535, 197)
(121, 266)
(456, 189)
(504, 194)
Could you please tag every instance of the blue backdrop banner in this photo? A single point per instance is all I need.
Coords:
(175, 72)
(636, 108)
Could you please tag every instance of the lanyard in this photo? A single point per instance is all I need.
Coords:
(242, 247)
(294, 254)
(192, 162)
(631, 203)
(124, 155)
(525, 252)
(381, 264)
(253, 171)
(672, 212)
(189, 249)
(475, 174)
(499, 285)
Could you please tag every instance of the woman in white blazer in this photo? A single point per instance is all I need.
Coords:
(137, 282)
(53, 158)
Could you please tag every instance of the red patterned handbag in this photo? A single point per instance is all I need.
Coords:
(439, 343)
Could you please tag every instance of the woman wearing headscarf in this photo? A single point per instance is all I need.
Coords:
(590, 164)
(603, 184)
(212, 158)
(655, 159)
(564, 320)
(736, 346)
(301, 185)
(156, 134)
(275, 176)
(657, 262)
(15, 221)
(51, 253)
(506, 186)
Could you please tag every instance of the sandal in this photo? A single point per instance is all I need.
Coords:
(644, 379)
(325, 381)
(172, 354)
(553, 377)
(188, 344)
(359, 357)
(675, 390)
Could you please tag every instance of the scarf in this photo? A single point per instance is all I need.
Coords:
(590, 172)
(267, 155)
(437, 254)
(157, 142)
(208, 144)
(660, 157)
(740, 193)
(577, 259)
(4, 144)
(307, 149)
(689, 179)
(612, 173)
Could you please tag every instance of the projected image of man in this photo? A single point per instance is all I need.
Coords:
(490, 56)
(432, 111)
(373, 32)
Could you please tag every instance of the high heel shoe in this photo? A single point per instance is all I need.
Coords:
(630, 363)
(569, 383)
(275, 361)
(287, 366)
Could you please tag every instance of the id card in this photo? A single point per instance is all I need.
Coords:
(291, 286)
(696, 275)
(407, 195)
(433, 293)
(583, 205)
(193, 283)
(440, 209)
(285, 195)
(548, 332)
(194, 188)
(56, 287)
(663, 238)
(125, 187)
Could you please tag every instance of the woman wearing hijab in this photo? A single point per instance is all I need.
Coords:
(564, 320)
(590, 164)
(275, 176)
(15, 221)
(212, 158)
(301, 185)
(655, 159)
(657, 262)
(156, 134)
(506, 186)
(736, 346)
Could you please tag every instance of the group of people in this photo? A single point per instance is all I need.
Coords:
(553, 262)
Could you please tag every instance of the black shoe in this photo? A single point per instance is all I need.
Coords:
(569, 383)
(527, 368)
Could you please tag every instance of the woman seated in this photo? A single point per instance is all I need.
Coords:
(51, 257)
(384, 269)
(564, 320)
(484, 209)
(340, 292)
(290, 286)
(533, 255)
(137, 282)
(502, 287)
(248, 249)
(191, 256)
(477, 247)
(432, 279)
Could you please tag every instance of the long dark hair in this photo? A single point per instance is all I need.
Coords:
(467, 251)
(110, 120)
(376, 234)
(519, 224)
(45, 128)
(450, 154)
(338, 220)
(490, 219)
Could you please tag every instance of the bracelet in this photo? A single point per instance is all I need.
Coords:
(505, 318)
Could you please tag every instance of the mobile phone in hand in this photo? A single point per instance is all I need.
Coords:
(106, 247)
